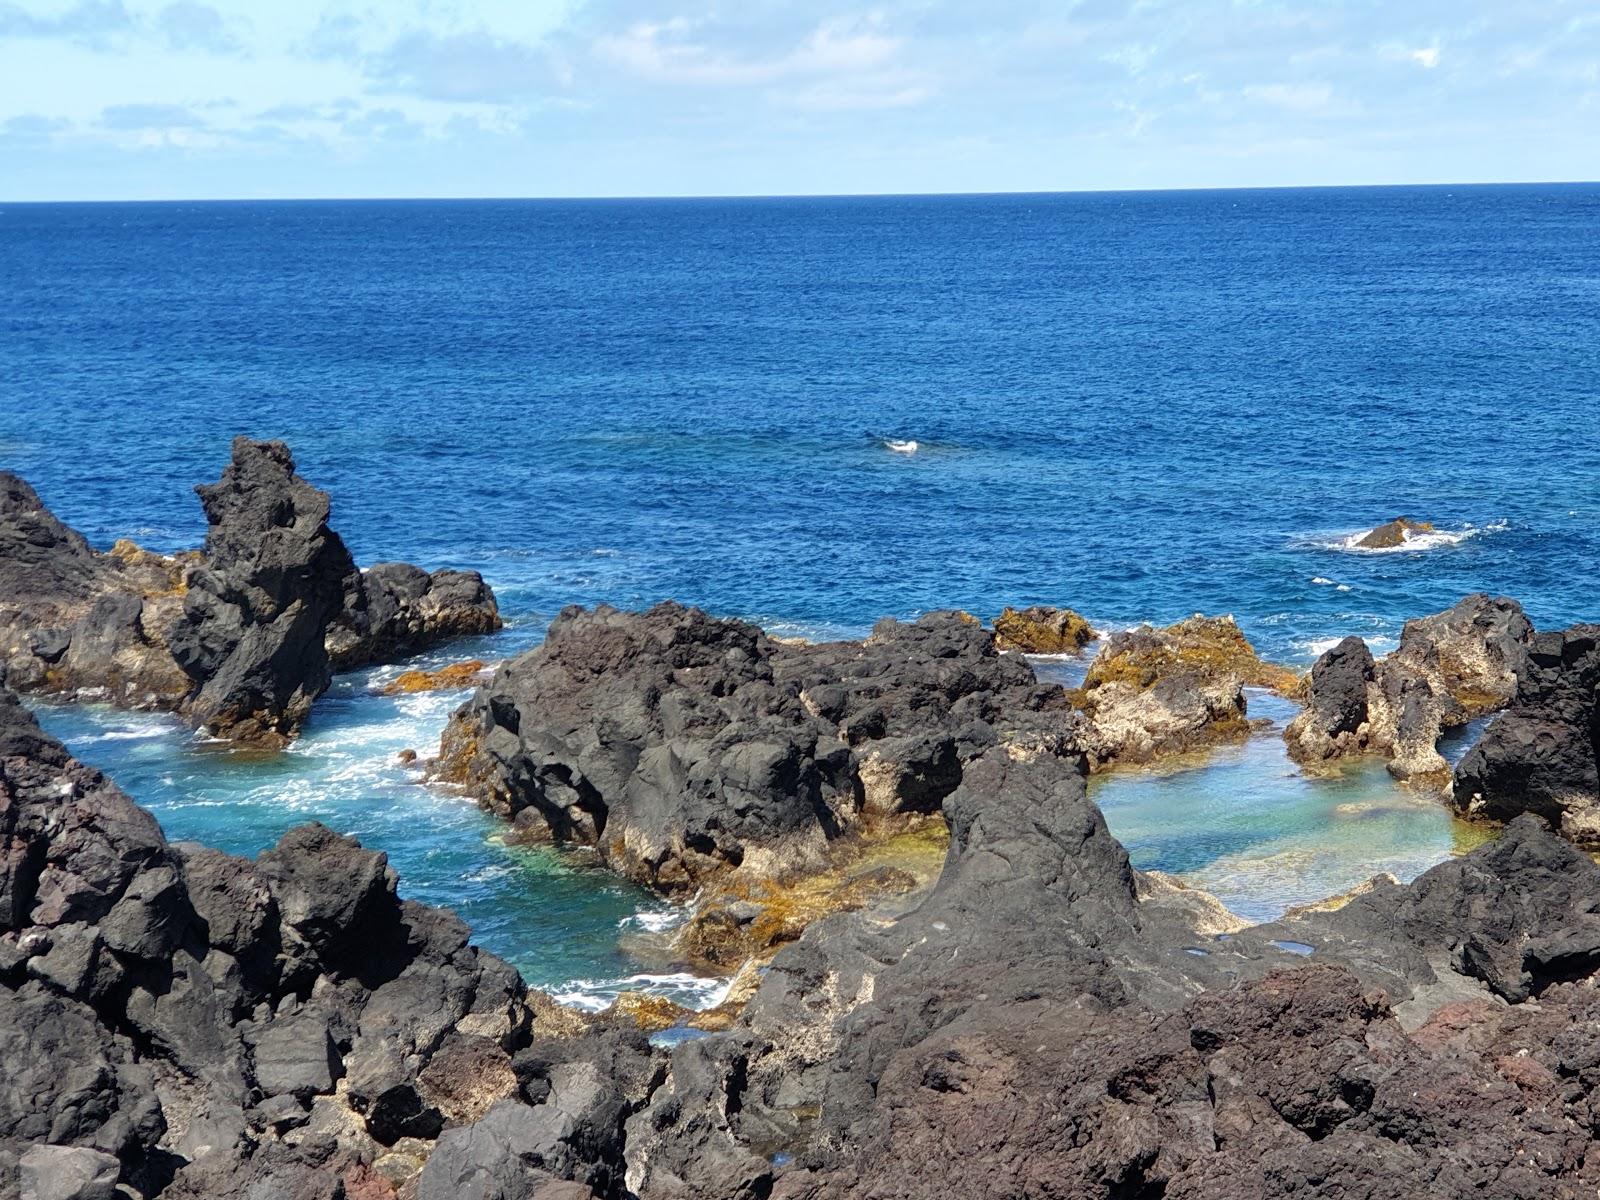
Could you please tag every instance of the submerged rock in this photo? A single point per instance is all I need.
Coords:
(451, 678)
(236, 637)
(1449, 668)
(1153, 692)
(1040, 630)
(685, 748)
(1392, 533)
(1542, 755)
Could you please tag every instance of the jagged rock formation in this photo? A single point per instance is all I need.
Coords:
(1152, 692)
(1448, 668)
(257, 612)
(1542, 755)
(235, 637)
(202, 1026)
(1040, 630)
(684, 747)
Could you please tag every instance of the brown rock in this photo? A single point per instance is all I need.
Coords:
(1393, 533)
(456, 675)
(1041, 630)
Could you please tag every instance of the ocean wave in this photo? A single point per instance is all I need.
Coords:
(698, 992)
(654, 922)
(895, 446)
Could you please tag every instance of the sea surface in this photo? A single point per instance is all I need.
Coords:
(1141, 405)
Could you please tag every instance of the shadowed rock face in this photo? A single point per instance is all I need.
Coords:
(392, 610)
(1541, 754)
(684, 747)
(1448, 668)
(242, 637)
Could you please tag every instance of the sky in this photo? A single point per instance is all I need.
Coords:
(123, 99)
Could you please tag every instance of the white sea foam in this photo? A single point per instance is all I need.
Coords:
(692, 991)
(653, 922)
(900, 447)
(1321, 582)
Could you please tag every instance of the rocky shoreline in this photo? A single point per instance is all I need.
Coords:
(239, 637)
(946, 972)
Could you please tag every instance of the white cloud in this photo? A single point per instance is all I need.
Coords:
(1426, 57)
(1296, 97)
(665, 52)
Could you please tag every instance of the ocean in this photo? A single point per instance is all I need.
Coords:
(1140, 405)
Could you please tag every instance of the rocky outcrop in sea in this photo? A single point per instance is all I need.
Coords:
(241, 636)
(1154, 692)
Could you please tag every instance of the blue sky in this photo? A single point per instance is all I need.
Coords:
(120, 99)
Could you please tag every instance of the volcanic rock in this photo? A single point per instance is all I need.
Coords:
(684, 747)
(1392, 533)
(1152, 692)
(238, 637)
(1542, 755)
(1448, 669)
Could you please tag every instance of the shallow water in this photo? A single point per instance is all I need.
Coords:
(1246, 824)
(1141, 405)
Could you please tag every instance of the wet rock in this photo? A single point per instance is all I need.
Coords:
(1448, 668)
(455, 676)
(1041, 630)
(1392, 533)
(685, 748)
(1153, 692)
(1540, 755)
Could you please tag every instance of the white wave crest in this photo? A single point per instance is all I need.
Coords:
(908, 446)
(692, 991)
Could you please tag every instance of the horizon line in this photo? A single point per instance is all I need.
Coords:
(667, 196)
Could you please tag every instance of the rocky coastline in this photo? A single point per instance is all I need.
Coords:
(945, 970)
(239, 637)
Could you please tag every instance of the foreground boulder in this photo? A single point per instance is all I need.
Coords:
(236, 637)
(1448, 669)
(180, 1021)
(1040, 630)
(1540, 755)
(683, 747)
(1152, 692)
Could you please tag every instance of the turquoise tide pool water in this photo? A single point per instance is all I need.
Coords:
(1141, 405)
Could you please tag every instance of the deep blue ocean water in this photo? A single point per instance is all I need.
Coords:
(1138, 404)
